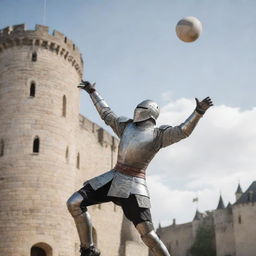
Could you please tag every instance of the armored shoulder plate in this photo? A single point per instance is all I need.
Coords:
(123, 119)
(164, 127)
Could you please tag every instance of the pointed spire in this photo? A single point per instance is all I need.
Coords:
(221, 204)
(239, 190)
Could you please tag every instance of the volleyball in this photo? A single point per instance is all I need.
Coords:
(189, 29)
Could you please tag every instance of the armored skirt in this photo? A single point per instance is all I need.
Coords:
(122, 186)
(129, 192)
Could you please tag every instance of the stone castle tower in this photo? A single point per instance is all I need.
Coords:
(47, 149)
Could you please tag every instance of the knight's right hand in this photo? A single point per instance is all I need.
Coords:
(87, 86)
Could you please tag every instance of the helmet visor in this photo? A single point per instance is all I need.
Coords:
(141, 114)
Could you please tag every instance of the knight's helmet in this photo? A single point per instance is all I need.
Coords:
(145, 110)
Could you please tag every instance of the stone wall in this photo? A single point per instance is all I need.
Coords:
(35, 186)
(244, 228)
(178, 238)
(224, 232)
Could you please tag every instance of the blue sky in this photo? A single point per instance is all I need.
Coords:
(131, 51)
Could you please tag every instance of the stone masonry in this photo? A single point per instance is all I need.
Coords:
(47, 149)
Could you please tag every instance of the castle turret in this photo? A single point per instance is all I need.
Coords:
(39, 113)
(239, 192)
(244, 211)
(220, 204)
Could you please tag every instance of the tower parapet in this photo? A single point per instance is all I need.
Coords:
(56, 42)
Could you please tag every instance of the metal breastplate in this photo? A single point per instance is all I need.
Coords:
(136, 146)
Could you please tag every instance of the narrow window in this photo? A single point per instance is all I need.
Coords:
(32, 89)
(36, 145)
(78, 161)
(2, 147)
(64, 105)
(239, 219)
(34, 56)
(67, 153)
(94, 236)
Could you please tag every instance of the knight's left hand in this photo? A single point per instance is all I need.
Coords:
(202, 106)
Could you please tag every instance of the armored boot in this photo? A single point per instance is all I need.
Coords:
(91, 251)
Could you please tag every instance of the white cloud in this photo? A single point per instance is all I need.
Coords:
(218, 154)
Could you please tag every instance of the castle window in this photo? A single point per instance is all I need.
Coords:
(37, 251)
(41, 249)
(32, 89)
(239, 219)
(94, 236)
(67, 153)
(36, 145)
(1, 147)
(64, 105)
(34, 56)
(78, 161)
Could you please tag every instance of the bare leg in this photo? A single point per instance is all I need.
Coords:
(151, 239)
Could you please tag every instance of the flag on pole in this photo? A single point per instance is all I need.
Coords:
(195, 199)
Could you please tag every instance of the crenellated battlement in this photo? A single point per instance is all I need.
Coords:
(104, 138)
(40, 37)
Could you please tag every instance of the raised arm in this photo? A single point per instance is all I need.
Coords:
(169, 135)
(106, 114)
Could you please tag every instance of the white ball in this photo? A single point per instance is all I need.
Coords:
(188, 29)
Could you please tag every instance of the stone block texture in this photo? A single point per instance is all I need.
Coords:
(39, 111)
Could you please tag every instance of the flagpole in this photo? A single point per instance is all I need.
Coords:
(44, 13)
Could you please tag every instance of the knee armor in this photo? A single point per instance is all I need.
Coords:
(74, 203)
(151, 239)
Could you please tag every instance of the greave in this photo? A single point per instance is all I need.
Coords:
(84, 229)
(155, 244)
(151, 239)
(82, 220)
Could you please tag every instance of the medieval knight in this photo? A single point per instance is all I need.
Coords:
(125, 184)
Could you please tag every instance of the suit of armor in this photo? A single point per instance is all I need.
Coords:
(140, 140)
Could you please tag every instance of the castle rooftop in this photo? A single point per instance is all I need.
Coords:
(239, 190)
(249, 196)
(220, 204)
